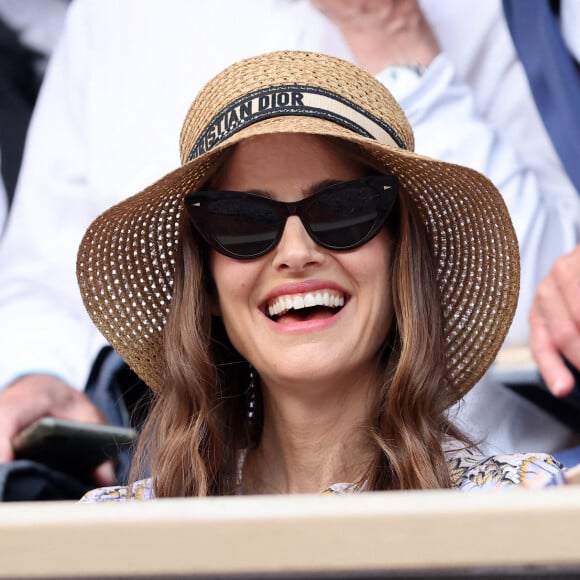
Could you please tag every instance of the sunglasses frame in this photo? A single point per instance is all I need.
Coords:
(387, 184)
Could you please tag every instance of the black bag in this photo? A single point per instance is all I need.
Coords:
(24, 480)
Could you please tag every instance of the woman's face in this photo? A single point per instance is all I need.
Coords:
(332, 345)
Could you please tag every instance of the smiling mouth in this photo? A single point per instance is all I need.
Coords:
(306, 306)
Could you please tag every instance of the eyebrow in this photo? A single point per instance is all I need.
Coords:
(314, 188)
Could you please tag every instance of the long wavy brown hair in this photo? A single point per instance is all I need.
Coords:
(206, 415)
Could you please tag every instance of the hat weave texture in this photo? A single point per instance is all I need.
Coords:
(125, 263)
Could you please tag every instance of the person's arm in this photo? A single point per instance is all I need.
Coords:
(43, 326)
(555, 323)
(382, 32)
(47, 342)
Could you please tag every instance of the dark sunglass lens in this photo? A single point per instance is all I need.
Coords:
(347, 216)
(244, 227)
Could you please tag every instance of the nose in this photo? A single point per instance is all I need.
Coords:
(296, 249)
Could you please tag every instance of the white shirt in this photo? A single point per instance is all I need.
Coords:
(3, 200)
(107, 124)
(38, 24)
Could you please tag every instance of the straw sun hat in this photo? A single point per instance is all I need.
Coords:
(126, 259)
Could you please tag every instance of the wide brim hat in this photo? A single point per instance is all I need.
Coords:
(125, 263)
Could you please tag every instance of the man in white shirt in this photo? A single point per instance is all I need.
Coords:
(107, 124)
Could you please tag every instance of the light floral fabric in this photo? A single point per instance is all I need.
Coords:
(470, 472)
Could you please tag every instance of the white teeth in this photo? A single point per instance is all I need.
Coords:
(298, 303)
(282, 304)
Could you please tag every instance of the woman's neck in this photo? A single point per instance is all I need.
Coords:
(306, 446)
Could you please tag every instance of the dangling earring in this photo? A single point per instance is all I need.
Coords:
(251, 394)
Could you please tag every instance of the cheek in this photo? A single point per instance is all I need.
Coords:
(372, 262)
(373, 270)
(234, 281)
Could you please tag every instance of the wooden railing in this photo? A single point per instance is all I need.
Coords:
(517, 533)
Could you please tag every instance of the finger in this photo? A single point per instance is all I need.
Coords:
(557, 377)
(572, 350)
(563, 333)
(18, 410)
(8, 430)
(557, 311)
(6, 451)
(566, 275)
(104, 474)
(78, 407)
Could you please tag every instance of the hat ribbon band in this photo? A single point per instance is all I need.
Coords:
(285, 100)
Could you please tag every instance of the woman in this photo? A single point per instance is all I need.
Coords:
(305, 295)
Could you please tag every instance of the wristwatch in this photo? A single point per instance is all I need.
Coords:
(402, 79)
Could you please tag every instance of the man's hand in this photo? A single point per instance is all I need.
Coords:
(381, 33)
(40, 395)
(555, 323)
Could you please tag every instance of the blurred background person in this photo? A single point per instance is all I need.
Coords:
(29, 30)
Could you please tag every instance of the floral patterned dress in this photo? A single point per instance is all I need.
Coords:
(470, 472)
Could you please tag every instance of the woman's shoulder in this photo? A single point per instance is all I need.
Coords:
(471, 471)
(140, 490)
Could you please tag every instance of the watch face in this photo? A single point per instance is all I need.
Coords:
(402, 79)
